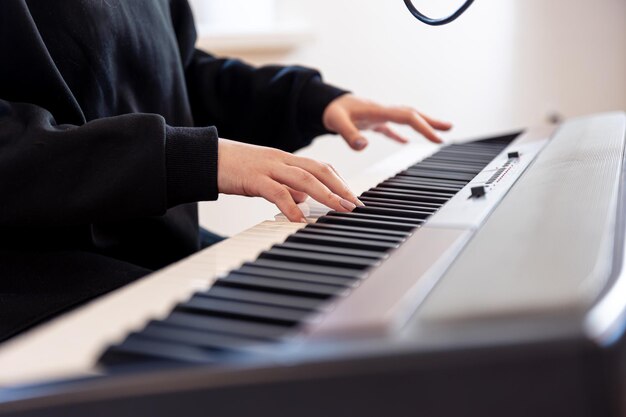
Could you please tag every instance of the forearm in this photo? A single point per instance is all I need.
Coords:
(272, 106)
(105, 170)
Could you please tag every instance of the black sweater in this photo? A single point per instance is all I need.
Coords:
(109, 120)
(108, 135)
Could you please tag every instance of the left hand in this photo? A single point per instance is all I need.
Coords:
(348, 115)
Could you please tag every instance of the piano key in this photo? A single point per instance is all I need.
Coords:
(454, 160)
(390, 189)
(405, 196)
(419, 186)
(319, 259)
(350, 235)
(283, 286)
(312, 247)
(319, 269)
(261, 297)
(451, 158)
(452, 185)
(315, 278)
(477, 145)
(471, 154)
(137, 349)
(447, 167)
(266, 314)
(426, 173)
(416, 194)
(351, 221)
(356, 228)
(413, 214)
(227, 326)
(192, 337)
(466, 154)
(381, 203)
(440, 173)
(376, 217)
(415, 205)
(433, 181)
(357, 242)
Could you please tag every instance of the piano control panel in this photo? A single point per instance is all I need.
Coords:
(470, 207)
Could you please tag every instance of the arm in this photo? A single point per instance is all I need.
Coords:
(273, 106)
(105, 170)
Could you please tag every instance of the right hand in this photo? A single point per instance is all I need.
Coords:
(281, 178)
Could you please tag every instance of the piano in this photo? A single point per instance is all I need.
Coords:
(483, 279)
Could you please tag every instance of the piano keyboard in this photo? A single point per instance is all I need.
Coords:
(298, 281)
(485, 276)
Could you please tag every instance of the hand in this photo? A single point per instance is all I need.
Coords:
(281, 178)
(347, 115)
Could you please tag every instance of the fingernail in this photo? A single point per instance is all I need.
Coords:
(360, 143)
(359, 203)
(347, 205)
(303, 220)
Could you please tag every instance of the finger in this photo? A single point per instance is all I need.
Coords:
(346, 128)
(298, 196)
(327, 174)
(279, 195)
(303, 180)
(414, 119)
(390, 133)
(437, 124)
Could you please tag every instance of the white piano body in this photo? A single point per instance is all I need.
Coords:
(508, 302)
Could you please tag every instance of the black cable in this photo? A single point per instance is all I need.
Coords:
(437, 22)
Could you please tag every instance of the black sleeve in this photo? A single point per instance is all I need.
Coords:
(272, 105)
(105, 170)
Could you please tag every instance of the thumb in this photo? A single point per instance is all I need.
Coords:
(344, 126)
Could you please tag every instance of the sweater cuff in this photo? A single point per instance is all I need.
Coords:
(316, 96)
(191, 164)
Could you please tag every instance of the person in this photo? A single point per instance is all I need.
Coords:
(109, 121)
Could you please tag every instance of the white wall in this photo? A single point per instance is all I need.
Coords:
(505, 64)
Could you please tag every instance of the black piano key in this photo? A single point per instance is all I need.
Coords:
(261, 297)
(463, 155)
(357, 228)
(413, 205)
(316, 278)
(452, 160)
(413, 214)
(319, 259)
(389, 189)
(351, 221)
(259, 313)
(447, 167)
(433, 181)
(406, 197)
(477, 146)
(351, 235)
(376, 217)
(314, 269)
(281, 286)
(137, 349)
(449, 185)
(227, 326)
(426, 173)
(416, 186)
(192, 337)
(472, 154)
(355, 242)
(332, 250)
(451, 157)
(381, 203)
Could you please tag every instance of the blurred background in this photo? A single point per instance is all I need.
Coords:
(503, 65)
